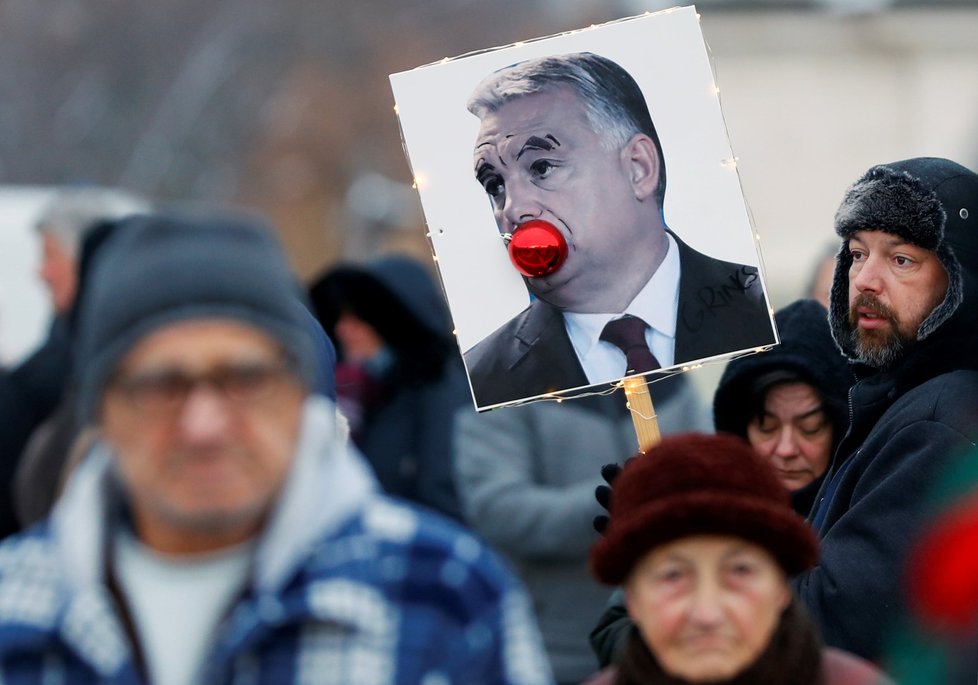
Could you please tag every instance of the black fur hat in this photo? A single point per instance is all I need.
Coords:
(929, 202)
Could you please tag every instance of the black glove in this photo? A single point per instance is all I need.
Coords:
(602, 493)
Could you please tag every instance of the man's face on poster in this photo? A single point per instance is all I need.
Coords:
(538, 157)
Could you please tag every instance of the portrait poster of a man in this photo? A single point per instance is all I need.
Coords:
(557, 149)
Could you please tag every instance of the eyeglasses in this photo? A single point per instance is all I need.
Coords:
(167, 389)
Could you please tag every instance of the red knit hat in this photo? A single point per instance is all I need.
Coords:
(696, 484)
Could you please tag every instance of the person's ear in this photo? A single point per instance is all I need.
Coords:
(786, 596)
(641, 159)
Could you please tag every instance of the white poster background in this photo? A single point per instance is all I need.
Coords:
(666, 54)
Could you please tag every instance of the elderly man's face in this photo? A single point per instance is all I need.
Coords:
(893, 287)
(59, 273)
(202, 462)
(538, 157)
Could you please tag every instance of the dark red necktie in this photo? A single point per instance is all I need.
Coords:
(628, 335)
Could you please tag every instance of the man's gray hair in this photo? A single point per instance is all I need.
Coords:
(72, 212)
(613, 102)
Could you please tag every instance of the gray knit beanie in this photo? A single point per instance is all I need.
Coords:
(161, 269)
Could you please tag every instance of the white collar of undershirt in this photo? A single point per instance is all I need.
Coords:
(657, 303)
(177, 602)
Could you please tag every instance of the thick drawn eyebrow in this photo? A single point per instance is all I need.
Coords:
(479, 146)
(548, 142)
(482, 162)
(482, 167)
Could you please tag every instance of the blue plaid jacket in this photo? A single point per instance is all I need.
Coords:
(347, 587)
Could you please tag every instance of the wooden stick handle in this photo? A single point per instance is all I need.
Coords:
(638, 399)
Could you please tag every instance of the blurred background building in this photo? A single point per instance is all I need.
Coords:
(286, 108)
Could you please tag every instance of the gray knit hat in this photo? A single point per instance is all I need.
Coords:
(929, 202)
(161, 269)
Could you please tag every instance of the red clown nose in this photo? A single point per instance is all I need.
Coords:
(537, 249)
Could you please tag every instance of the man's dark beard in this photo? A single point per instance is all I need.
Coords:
(879, 348)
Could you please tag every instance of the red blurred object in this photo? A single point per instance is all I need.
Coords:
(537, 249)
(943, 570)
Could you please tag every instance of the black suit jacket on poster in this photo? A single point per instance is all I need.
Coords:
(722, 309)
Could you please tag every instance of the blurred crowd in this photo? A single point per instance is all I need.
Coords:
(213, 472)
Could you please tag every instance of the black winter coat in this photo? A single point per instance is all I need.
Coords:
(908, 423)
(405, 421)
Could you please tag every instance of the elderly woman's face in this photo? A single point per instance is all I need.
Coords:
(707, 605)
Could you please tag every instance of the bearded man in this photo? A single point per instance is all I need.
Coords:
(904, 310)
